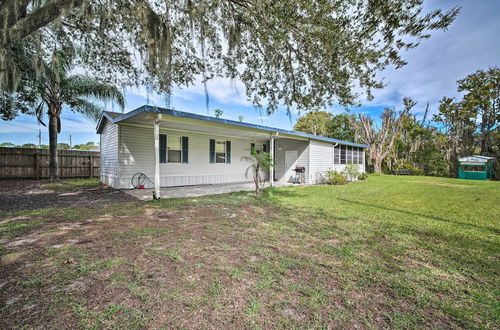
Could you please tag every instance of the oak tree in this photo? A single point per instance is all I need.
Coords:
(303, 54)
(482, 99)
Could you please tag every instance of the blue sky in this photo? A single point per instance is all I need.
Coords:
(432, 71)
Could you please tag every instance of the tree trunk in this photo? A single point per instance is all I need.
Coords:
(377, 163)
(486, 146)
(257, 180)
(54, 164)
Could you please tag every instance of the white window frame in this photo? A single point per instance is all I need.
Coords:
(223, 142)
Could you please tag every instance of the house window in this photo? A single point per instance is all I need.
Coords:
(336, 155)
(258, 148)
(220, 151)
(342, 154)
(174, 147)
(349, 155)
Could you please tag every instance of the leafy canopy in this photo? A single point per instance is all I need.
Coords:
(300, 53)
(482, 99)
(326, 124)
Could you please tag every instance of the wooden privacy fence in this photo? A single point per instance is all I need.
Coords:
(33, 163)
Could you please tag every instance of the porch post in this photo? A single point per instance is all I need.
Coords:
(156, 132)
(309, 179)
(364, 165)
(271, 170)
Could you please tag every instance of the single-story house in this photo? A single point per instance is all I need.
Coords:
(175, 148)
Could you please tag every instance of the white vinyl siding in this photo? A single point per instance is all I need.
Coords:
(109, 153)
(136, 155)
(282, 173)
(129, 149)
(321, 160)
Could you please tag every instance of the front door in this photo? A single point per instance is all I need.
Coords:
(290, 160)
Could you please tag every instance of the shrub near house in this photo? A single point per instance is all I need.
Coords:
(349, 174)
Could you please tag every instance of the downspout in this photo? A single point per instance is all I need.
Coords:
(119, 158)
(156, 132)
(271, 152)
(364, 158)
(309, 175)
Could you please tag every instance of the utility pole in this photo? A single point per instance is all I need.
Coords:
(70, 145)
(39, 138)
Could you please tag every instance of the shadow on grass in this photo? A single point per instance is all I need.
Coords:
(432, 217)
(272, 193)
(460, 248)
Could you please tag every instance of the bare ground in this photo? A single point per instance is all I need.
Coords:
(174, 264)
(187, 267)
(31, 194)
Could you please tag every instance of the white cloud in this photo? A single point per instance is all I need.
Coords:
(435, 66)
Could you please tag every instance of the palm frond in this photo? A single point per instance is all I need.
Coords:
(249, 159)
(39, 113)
(87, 108)
(57, 69)
(252, 168)
(81, 86)
(258, 162)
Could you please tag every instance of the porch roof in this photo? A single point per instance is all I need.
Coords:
(115, 117)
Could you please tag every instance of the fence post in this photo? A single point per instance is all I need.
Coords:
(91, 166)
(37, 165)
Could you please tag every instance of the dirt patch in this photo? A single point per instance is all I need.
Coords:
(167, 262)
(16, 195)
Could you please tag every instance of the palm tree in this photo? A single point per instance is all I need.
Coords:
(259, 162)
(47, 90)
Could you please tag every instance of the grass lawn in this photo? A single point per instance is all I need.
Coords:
(396, 252)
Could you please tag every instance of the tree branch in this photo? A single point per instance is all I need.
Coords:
(37, 19)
